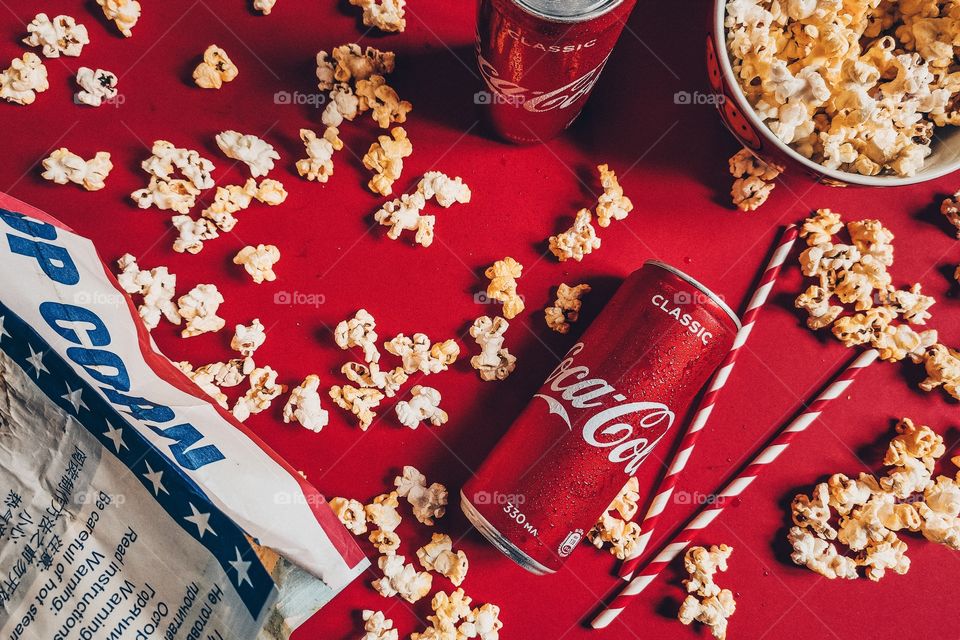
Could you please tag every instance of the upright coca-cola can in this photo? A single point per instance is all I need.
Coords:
(605, 407)
(540, 60)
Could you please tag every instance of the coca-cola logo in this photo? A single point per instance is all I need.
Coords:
(539, 101)
(607, 428)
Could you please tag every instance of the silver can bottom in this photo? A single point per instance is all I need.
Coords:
(506, 547)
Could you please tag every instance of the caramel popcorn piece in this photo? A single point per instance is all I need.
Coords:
(24, 79)
(359, 331)
(494, 362)
(871, 238)
(349, 63)
(254, 152)
(403, 214)
(816, 302)
(215, 69)
(351, 514)
(60, 36)
(359, 402)
(912, 441)
(385, 159)
(157, 286)
(622, 536)
(626, 502)
(429, 503)
(503, 275)
(707, 603)
(62, 167)
(821, 227)
(577, 241)
(940, 511)
(386, 542)
(942, 365)
(124, 14)
(318, 165)
(910, 303)
(199, 309)
(259, 262)
(612, 204)
(438, 555)
(227, 201)
(950, 208)
(261, 394)
(385, 106)
(847, 494)
(271, 192)
(403, 580)
(304, 406)
(386, 15)
(566, 308)
(423, 406)
(813, 512)
(265, 7)
(376, 625)
(753, 180)
(383, 513)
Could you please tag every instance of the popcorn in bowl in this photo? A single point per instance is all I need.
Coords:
(855, 87)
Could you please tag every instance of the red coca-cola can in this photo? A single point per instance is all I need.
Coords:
(540, 60)
(595, 421)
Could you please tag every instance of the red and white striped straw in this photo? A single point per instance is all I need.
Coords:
(659, 503)
(709, 511)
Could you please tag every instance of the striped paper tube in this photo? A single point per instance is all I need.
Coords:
(659, 503)
(708, 512)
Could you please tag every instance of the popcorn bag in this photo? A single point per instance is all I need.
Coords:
(133, 507)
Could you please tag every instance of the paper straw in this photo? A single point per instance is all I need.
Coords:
(659, 503)
(708, 512)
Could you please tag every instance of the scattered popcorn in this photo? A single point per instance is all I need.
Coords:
(383, 513)
(403, 580)
(261, 394)
(445, 189)
(872, 511)
(157, 286)
(577, 241)
(753, 180)
(707, 603)
(259, 262)
(359, 402)
(271, 192)
(165, 158)
(248, 338)
(386, 542)
(429, 503)
(454, 619)
(359, 331)
(265, 7)
(228, 374)
(372, 377)
(612, 204)
(342, 104)
(417, 353)
(62, 167)
(96, 87)
(386, 15)
(503, 275)
(215, 69)
(403, 214)
(438, 555)
(192, 233)
(951, 209)
(376, 625)
(385, 159)
(622, 536)
(566, 308)
(124, 14)
(303, 406)
(24, 79)
(856, 275)
(204, 380)
(350, 63)
(942, 365)
(385, 106)
(227, 201)
(318, 165)
(858, 87)
(627, 501)
(351, 514)
(60, 36)
(254, 152)
(423, 406)
(199, 308)
(494, 361)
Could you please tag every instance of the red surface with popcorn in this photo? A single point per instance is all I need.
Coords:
(670, 156)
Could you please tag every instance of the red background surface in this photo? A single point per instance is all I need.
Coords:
(672, 162)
